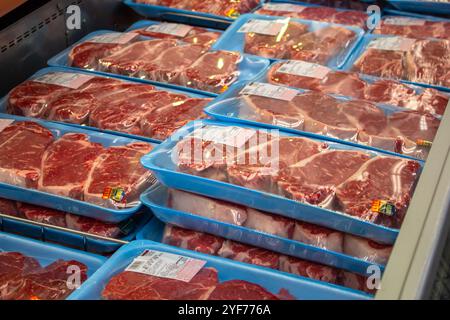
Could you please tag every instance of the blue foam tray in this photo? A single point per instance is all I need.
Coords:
(156, 199)
(233, 40)
(249, 68)
(299, 287)
(47, 253)
(66, 204)
(160, 162)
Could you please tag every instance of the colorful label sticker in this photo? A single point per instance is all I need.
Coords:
(383, 207)
(116, 194)
(424, 143)
(230, 136)
(175, 29)
(232, 13)
(304, 69)
(116, 37)
(287, 7)
(269, 91)
(65, 79)
(267, 27)
(4, 123)
(166, 265)
(403, 21)
(392, 43)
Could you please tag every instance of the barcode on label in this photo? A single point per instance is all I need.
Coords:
(166, 265)
(392, 43)
(175, 29)
(267, 27)
(403, 21)
(304, 69)
(269, 91)
(4, 123)
(230, 136)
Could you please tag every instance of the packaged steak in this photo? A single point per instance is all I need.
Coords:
(105, 103)
(418, 28)
(398, 130)
(291, 38)
(226, 8)
(316, 13)
(311, 76)
(422, 61)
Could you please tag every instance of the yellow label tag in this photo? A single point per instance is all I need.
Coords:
(232, 13)
(384, 207)
(424, 143)
(223, 89)
(115, 194)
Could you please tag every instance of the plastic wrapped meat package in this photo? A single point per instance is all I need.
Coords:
(23, 278)
(60, 219)
(291, 38)
(178, 31)
(214, 245)
(272, 224)
(310, 76)
(316, 13)
(71, 165)
(369, 186)
(104, 103)
(424, 61)
(417, 28)
(398, 130)
(228, 8)
(343, 4)
(199, 282)
(154, 59)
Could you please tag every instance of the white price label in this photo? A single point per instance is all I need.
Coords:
(287, 7)
(230, 136)
(403, 21)
(175, 29)
(267, 27)
(304, 69)
(269, 91)
(116, 37)
(64, 79)
(392, 43)
(4, 123)
(166, 265)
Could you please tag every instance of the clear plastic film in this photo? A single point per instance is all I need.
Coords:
(215, 245)
(287, 228)
(398, 130)
(105, 103)
(294, 39)
(328, 175)
(227, 8)
(417, 28)
(153, 59)
(34, 156)
(424, 61)
(309, 76)
(316, 13)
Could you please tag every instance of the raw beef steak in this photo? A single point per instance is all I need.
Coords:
(269, 223)
(119, 167)
(9, 207)
(367, 249)
(414, 28)
(87, 54)
(355, 281)
(308, 269)
(130, 285)
(207, 207)
(92, 226)
(388, 179)
(318, 236)
(22, 147)
(240, 290)
(213, 71)
(192, 240)
(314, 180)
(43, 215)
(67, 165)
(248, 254)
(72, 107)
